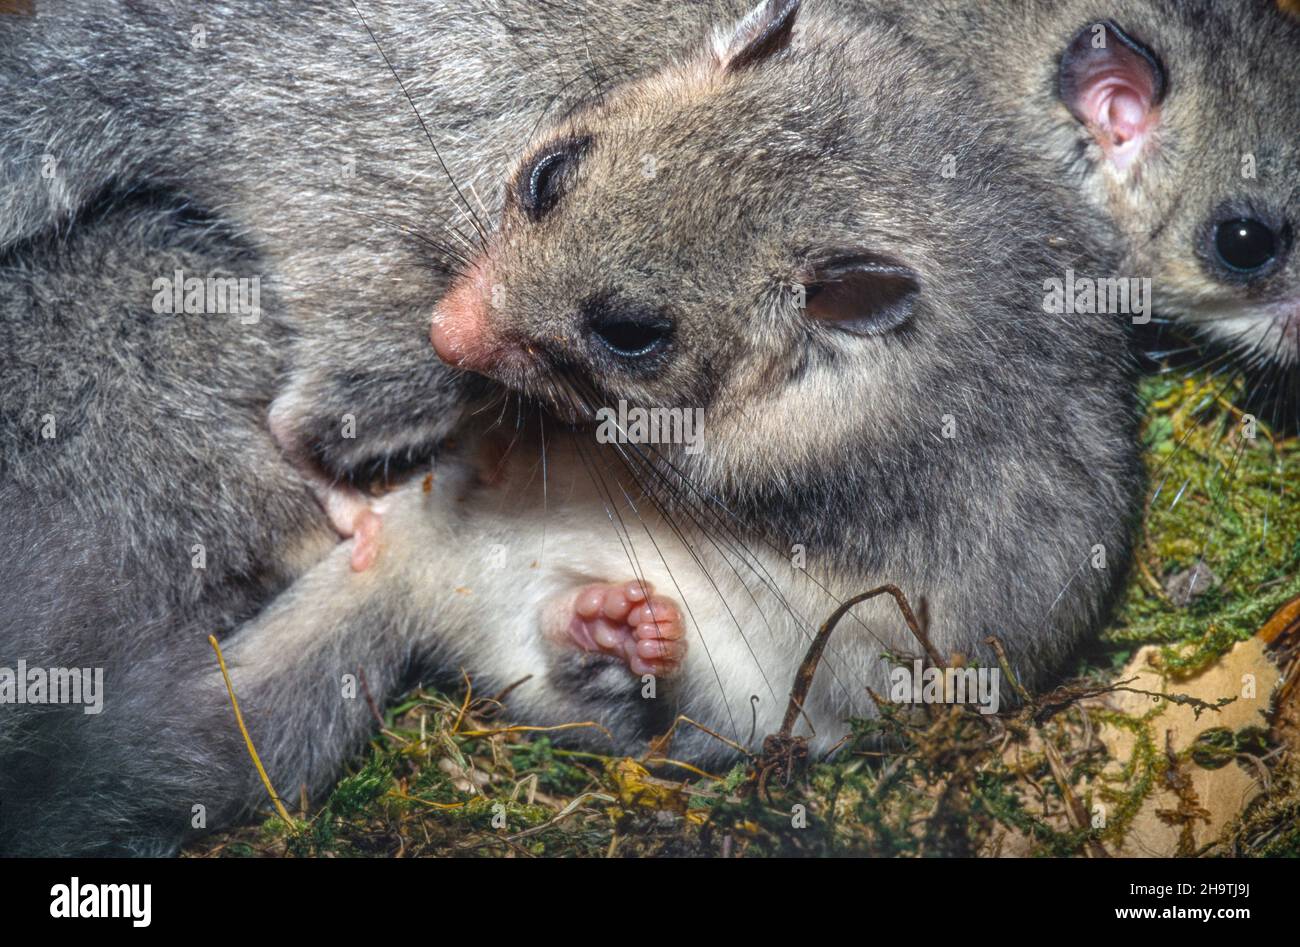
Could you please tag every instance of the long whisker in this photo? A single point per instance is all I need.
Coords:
(740, 549)
(478, 224)
(605, 492)
(720, 512)
(695, 557)
(444, 249)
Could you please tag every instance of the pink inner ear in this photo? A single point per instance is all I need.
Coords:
(1118, 108)
(1114, 89)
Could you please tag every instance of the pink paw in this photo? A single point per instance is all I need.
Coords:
(366, 527)
(353, 517)
(628, 621)
(349, 510)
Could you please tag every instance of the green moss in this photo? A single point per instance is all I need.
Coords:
(1219, 500)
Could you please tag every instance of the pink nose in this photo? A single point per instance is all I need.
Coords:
(461, 332)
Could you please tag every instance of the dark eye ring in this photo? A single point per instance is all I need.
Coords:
(627, 330)
(631, 339)
(1246, 245)
(542, 183)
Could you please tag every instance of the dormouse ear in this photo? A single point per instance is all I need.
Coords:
(1114, 86)
(862, 295)
(764, 32)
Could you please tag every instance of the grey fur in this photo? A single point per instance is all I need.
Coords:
(819, 437)
(826, 440)
(283, 149)
(995, 527)
(289, 123)
(159, 461)
(1233, 91)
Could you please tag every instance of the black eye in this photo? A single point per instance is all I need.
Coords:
(628, 331)
(632, 339)
(542, 183)
(1245, 245)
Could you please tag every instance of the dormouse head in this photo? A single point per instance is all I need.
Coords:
(1193, 112)
(766, 233)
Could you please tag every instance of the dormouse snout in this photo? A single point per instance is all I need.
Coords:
(462, 332)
